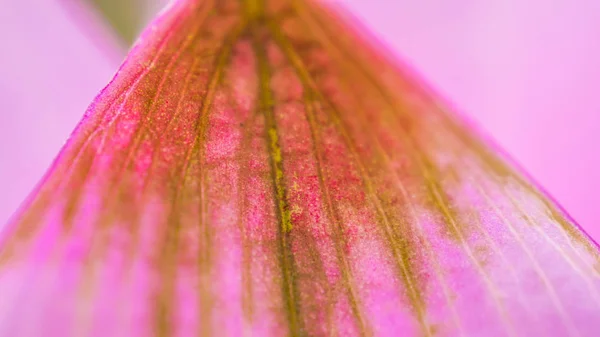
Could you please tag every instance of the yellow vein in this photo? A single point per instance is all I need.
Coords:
(208, 98)
(74, 200)
(557, 220)
(168, 262)
(318, 276)
(174, 118)
(498, 252)
(500, 167)
(548, 239)
(76, 193)
(147, 115)
(72, 164)
(441, 203)
(171, 243)
(382, 153)
(462, 137)
(53, 177)
(334, 219)
(247, 298)
(132, 87)
(535, 225)
(242, 159)
(399, 256)
(277, 173)
(221, 64)
(549, 288)
(134, 245)
(110, 197)
(437, 269)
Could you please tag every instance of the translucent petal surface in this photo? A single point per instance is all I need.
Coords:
(260, 169)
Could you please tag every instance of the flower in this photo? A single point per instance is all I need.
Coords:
(260, 168)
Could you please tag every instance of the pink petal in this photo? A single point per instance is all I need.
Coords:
(50, 70)
(523, 70)
(265, 171)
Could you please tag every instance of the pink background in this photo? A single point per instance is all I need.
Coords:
(528, 72)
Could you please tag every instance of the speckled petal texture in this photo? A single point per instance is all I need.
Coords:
(261, 169)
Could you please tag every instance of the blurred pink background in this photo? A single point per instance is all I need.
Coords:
(528, 72)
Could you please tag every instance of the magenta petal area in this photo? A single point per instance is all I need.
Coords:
(260, 168)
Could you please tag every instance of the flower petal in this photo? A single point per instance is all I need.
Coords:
(260, 168)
